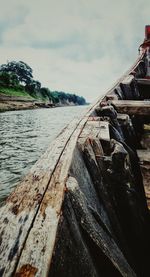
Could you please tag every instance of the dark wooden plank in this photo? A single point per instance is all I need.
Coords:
(143, 81)
(93, 157)
(131, 107)
(96, 230)
(126, 87)
(144, 88)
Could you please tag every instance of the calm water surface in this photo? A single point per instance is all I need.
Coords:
(24, 136)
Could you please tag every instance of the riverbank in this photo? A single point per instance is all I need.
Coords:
(14, 103)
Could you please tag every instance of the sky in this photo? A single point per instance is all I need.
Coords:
(75, 46)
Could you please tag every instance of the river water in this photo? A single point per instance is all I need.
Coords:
(24, 136)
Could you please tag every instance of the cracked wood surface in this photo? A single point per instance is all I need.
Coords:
(96, 229)
(23, 210)
(132, 107)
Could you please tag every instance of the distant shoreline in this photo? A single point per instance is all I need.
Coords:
(11, 103)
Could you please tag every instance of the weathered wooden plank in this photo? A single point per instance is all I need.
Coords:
(118, 91)
(143, 81)
(40, 242)
(104, 131)
(126, 87)
(93, 157)
(129, 203)
(97, 128)
(78, 170)
(128, 131)
(18, 214)
(132, 107)
(109, 112)
(129, 87)
(140, 70)
(96, 230)
(71, 255)
(144, 88)
(20, 211)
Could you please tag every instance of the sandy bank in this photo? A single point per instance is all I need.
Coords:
(11, 103)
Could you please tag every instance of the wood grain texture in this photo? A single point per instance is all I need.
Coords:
(95, 128)
(131, 107)
(30, 201)
(96, 230)
(18, 214)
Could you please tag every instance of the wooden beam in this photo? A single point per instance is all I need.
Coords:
(143, 81)
(131, 107)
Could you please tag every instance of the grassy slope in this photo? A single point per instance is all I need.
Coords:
(14, 92)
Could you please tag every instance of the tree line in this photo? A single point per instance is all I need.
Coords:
(19, 76)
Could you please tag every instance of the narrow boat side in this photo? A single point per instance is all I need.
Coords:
(82, 210)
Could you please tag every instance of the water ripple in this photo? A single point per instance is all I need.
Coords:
(24, 136)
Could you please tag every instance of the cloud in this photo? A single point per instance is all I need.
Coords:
(79, 46)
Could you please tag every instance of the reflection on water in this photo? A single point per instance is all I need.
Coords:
(24, 135)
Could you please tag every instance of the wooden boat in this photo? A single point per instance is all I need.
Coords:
(83, 209)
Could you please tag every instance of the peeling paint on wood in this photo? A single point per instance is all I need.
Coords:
(26, 271)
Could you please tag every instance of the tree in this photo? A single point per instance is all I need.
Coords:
(46, 93)
(8, 79)
(18, 75)
(33, 87)
(20, 69)
(55, 95)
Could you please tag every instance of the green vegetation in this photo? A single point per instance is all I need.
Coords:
(14, 92)
(16, 79)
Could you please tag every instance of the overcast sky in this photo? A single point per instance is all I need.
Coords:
(78, 46)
